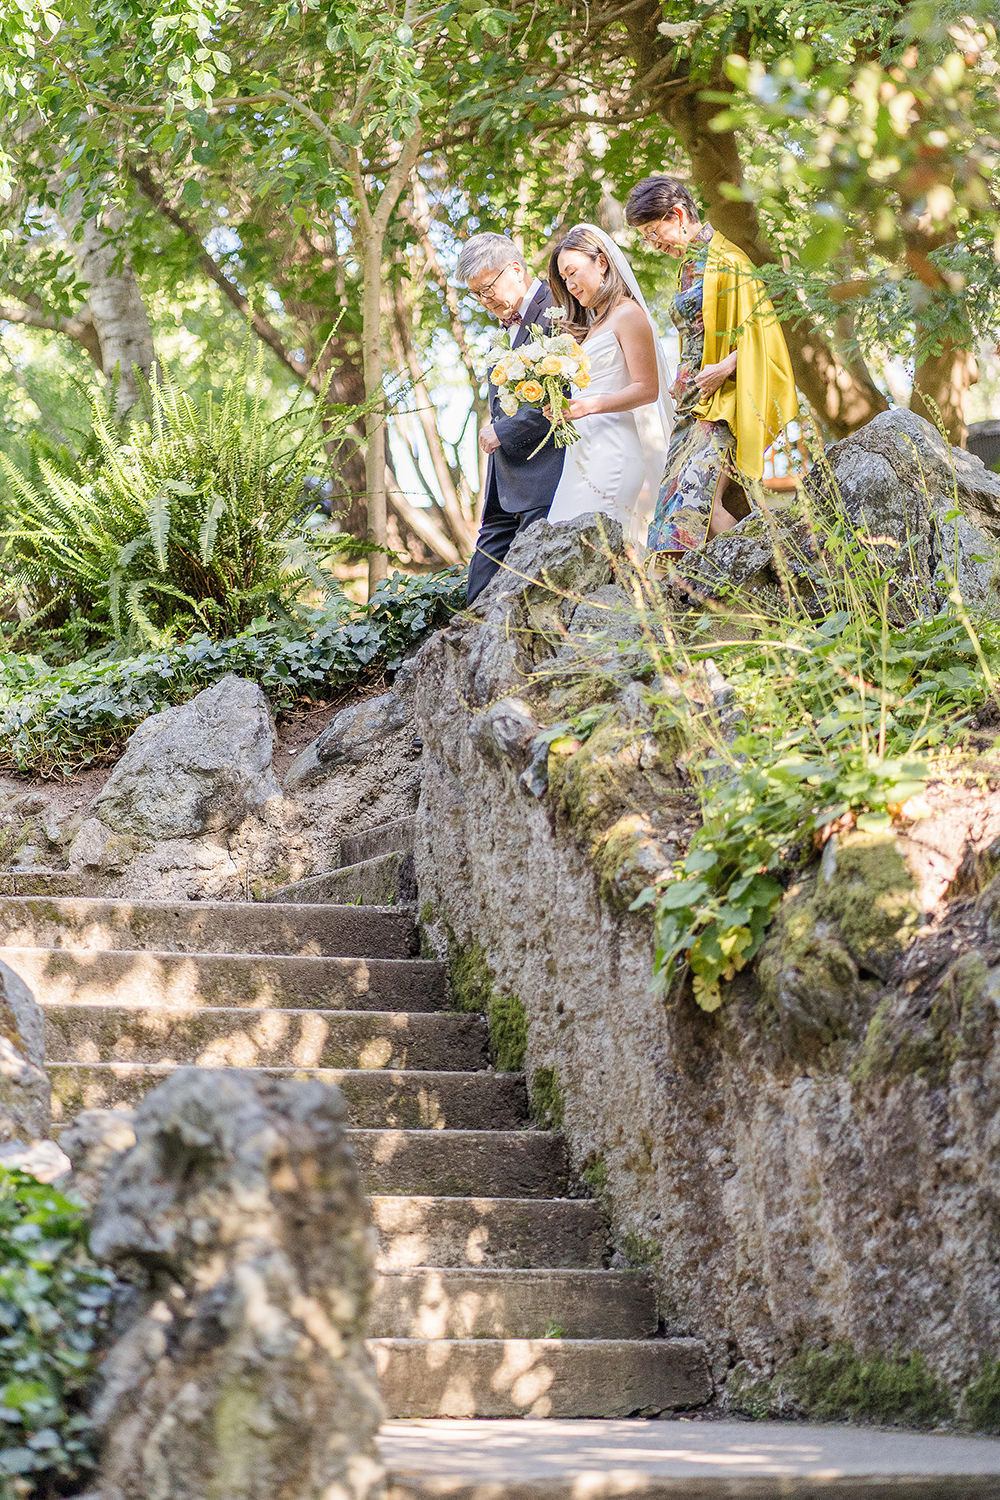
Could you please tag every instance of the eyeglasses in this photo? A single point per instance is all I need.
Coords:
(487, 291)
(650, 233)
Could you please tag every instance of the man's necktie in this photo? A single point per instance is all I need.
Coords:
(511, 322)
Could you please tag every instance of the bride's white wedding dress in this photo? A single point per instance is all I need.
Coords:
(617, 463)
(606, 469)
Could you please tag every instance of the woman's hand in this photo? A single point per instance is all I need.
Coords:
(582, 406)
(710, 377)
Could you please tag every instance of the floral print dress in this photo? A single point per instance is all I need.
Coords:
(700, 458)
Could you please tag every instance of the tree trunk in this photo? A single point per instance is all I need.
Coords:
(838, 388)
(940, 385)
(115, 301)
(374, 368)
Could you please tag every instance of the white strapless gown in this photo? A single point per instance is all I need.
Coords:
(616, 464)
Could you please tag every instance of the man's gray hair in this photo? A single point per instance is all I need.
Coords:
(487, 252)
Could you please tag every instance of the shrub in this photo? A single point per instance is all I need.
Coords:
(68, 716)
(53, 1303)
(191, 521)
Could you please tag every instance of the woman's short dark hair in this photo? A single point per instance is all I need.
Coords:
(655, 198)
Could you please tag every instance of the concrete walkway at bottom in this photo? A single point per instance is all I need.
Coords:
(668, 1460)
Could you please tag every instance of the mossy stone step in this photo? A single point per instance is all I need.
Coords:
(387, 838)
(66, 975)
(207, 927)
(376, 1098)
(384, 880)
(462, 1163)
(541, 1377)
(429, 1302)
(42, 883)
(497, 1233)
(232, 1038)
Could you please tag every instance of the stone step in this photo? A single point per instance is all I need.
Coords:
(386, 838)
(384, 880)
(225, 1038)
(207, 927)
(540, 1377)
(66, 975)
(429, 1302)
(519, 1233)
(462, 1163)
(375, 1098)
(43, 883)
(681, 1460)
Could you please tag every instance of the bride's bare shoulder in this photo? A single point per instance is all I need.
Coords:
(629, 318)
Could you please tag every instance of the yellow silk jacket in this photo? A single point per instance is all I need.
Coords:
(759, 400)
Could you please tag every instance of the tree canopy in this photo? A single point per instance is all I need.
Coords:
(314, 167)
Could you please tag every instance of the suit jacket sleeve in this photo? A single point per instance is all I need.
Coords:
(522, 433)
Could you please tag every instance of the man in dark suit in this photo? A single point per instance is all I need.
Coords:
(520, 482)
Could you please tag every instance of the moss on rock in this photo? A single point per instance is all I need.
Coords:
(547, 1103)
(808, 981)
(982, 1399)
(473, 991)
(866, 889)
(837, 1384)
(916, 1036)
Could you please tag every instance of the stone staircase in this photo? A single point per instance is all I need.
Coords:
(493, 1298)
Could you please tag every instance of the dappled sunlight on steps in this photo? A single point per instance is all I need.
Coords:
(492, 1297)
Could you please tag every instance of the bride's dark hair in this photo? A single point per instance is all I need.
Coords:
(579, 319)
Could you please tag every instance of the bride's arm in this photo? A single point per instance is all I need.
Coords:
(632, 330)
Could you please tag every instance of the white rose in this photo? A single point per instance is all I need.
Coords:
(508, 404)
(516, 369)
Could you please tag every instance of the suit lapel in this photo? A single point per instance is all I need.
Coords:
(535, 306)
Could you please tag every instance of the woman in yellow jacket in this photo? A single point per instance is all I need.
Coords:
(734, 390)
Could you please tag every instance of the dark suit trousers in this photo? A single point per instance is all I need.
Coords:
(498, 530)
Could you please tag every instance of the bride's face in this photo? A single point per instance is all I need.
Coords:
(583, 276)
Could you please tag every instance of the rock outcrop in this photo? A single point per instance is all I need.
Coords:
(814, 1166)
(194, 769)
(925, 514)
(25, 1113)
(239, 1217)
(363, 769)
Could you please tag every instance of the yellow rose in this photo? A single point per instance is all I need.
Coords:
(530, 390)
(499, 375)
(550, 365)
(582, 379)
(577, 348)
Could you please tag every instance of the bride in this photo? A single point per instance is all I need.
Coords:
(626, 416)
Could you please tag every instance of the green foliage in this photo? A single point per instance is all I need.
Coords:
(547, 1103)
(192, 520)
(836, 717)
(639, 1250)
(66, 717)
(508, 1032)
(982, 1399)
(53, 1302)
(595, 1172)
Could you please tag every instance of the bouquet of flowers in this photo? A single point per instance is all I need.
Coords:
(538, 373)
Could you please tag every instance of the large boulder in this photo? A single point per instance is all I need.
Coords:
(239, 1214)
(25, 1112)
(927, 513)
(195, 769)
